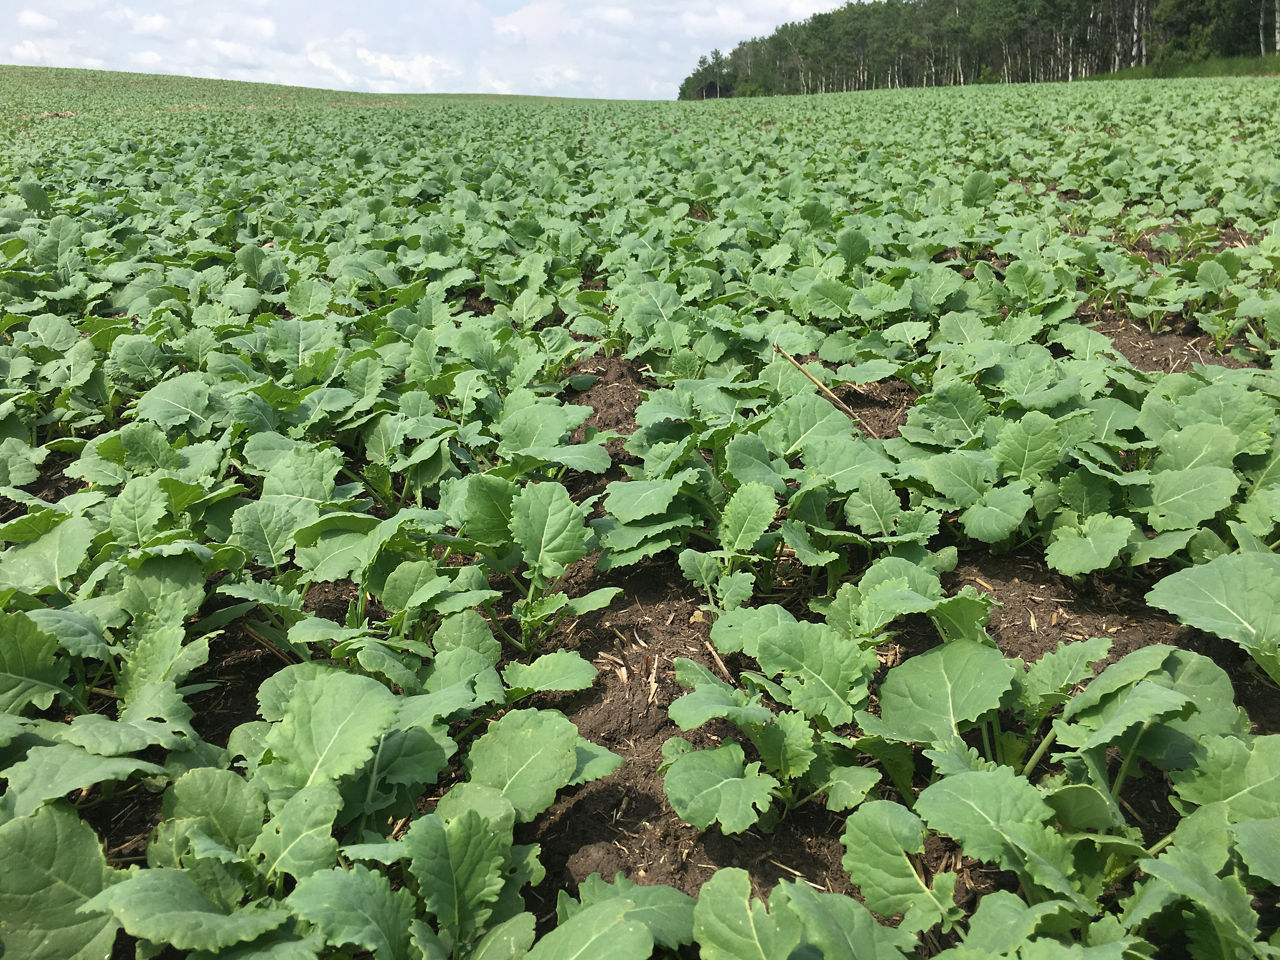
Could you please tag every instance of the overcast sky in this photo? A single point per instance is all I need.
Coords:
(632, 49)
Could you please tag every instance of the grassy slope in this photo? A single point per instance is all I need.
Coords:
(26, 93)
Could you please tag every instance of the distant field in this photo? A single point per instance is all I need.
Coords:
(478, 527)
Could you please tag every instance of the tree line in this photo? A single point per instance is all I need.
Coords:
(906, 43)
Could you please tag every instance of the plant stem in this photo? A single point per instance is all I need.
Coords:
(1041, 750)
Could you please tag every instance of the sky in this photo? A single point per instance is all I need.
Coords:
(624, 49)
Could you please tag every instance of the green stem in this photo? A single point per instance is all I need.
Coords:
(1041, 750)
(1128, 761)
(986, 740)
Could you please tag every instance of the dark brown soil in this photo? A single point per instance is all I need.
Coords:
(1040, 608)
(1176, 348)
(882, 405)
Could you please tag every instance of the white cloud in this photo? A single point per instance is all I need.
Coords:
(26, 52)
(420, 71)
(149, 24)
(539, 23)
(321, 59)
(36, 21)
(263, 27)
(147, 59)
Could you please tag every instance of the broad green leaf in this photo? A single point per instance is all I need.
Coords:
(527, 756)
(357, 906)
(604, 929)
(298, 840)
(634, 500)
(488, 509)
(746, 517)
(879, 839)
(997, 515)
(46, 562)
(666, 912)
(458, 865)
(874, 506)
(936, 694)
(706, 786)
(1094, 546)
(548, 527)
(30, 671)
(1224, 900)
(179, 403)
(1236, 596)
(711, 697)
(824, 675)
(166, 906)
(137, 510)
(221, 803)
(53, 865)
(559, 670)
(979, 189)
(1029, 448)
(1184, 498)
(841, 927)
(961, 476)
(1243, 776)
(1258, 842)
(265, 528)
(54, 771)
(330, 723)
(1000, 817)
(729, 925)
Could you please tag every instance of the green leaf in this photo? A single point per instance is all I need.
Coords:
(1243, 776)
(841, 927)
(713, 785)
(935, 694)
(1098, 542)
(458, 865)
(979, 189)
(488, 508)
(634, 500)
(137, 510)
(549, 528)
(167, 907)
(1185, 498)
(997, 515)
(1223, 900)
(879, 839)
(54, 771)
(666, 912)
(298, 840)
(746, 517)
(1000, 817)
(1258, 842)
(308, 298)
(53, 865)
(824, 675)
(560, 670)
(46, 562)
(30, 671)
(1236, 596)
(874, 506)
(330, 724)
(1029, 448)
(527, 756)
(221, 803)
(961, 476)
(265, 528)
(604, 929)
(357, 906)
(728, 925)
